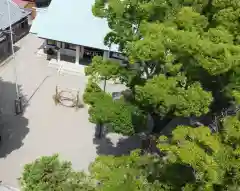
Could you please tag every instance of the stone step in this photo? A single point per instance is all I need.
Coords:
(53, 64)
(40, 52)
(67, 68)
(71, 72)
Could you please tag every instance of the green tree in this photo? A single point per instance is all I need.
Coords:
(192, 159)
(107, 173)
(131, 172)
(183, 55)
(213, 157)
(118, 115)
(52, 174)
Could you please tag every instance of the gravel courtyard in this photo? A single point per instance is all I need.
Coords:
(44, 128)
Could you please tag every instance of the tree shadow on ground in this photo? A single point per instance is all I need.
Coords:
(111, 144)
(13, 128)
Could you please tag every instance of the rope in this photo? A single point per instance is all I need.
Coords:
(67, 99)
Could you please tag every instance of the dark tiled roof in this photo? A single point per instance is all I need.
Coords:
(16, 13)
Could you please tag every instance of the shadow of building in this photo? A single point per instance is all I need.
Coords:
(5, 53)
(13, 128)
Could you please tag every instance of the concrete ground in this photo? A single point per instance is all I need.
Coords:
(44, 128)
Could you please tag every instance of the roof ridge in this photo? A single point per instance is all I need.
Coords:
(13, 3)
(16, 13)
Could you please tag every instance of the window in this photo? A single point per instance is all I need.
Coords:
(42, 3)
(23, 25)
(51, 42)
(70, 46)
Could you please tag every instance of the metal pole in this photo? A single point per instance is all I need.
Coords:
(13, 52)
(18, 101)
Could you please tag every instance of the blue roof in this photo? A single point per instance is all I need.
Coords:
(72, 21)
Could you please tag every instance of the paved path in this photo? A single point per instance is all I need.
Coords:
(45, 128)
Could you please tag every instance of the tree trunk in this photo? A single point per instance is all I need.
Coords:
(104, 85)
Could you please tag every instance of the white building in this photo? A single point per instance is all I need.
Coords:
(70, 28)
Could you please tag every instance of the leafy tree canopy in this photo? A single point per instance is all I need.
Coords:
(173, 96)
(195, 159)
(102, 69)
(51, 174)
(183, 55)
(213, 157)
(192, 159)
(118, 115)
(126, 173)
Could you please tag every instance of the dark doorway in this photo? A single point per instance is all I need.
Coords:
(42, 3)
(89, 53)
